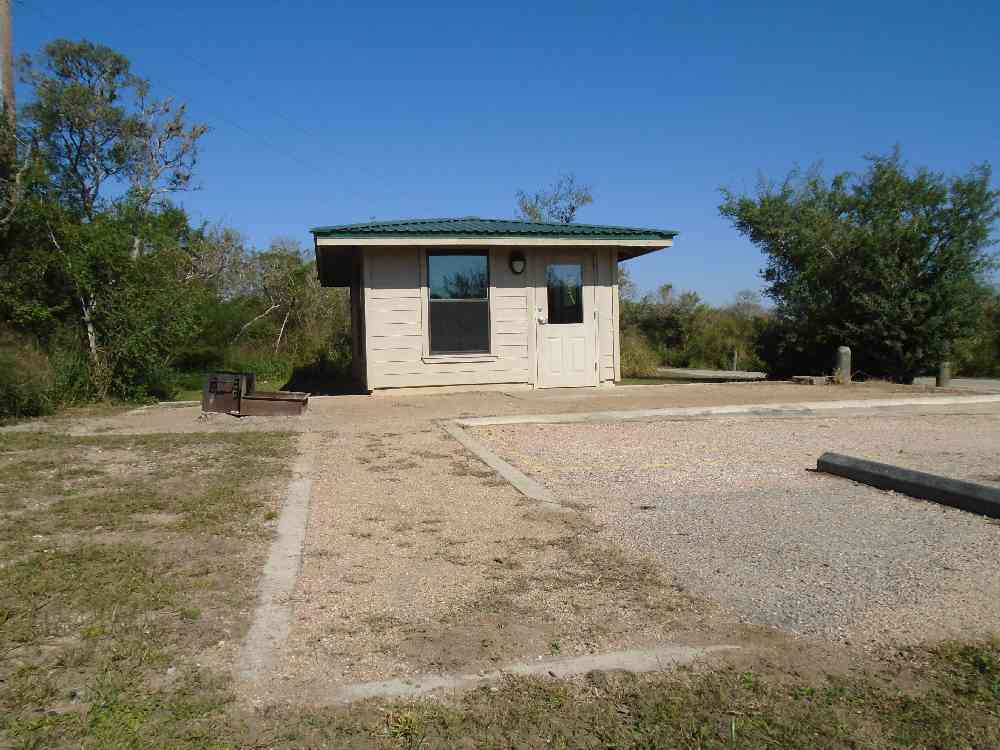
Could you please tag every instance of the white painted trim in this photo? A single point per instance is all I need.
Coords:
(590, 282)
(492, 258)
(425, 313)
(616, 320)
(366, 285)
(592, 319)
(439, 358)
(484, 241)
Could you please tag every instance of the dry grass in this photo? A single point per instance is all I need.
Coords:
(125, 564)
(949, 699)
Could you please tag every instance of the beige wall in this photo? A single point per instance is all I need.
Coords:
(608, 365)
(396, 338)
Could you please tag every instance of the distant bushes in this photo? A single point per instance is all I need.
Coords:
(638, 358)
(978, 355)
(26, 379)
(679, 330)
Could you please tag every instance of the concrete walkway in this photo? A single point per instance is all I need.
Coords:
(272, 618)
(636, 661)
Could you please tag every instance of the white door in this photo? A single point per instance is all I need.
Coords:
(567, 342)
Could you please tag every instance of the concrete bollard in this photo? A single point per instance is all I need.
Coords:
(842, 374)
(944, 374)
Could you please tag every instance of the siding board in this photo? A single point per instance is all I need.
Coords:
(606, 312)
(519, 327)
(394, 312)
(507, 302)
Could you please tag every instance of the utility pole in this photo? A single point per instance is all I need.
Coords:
(7, 63)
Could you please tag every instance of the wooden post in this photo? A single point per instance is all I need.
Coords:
(944, 374)
(842, 374)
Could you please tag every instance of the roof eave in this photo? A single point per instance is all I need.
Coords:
(515, 241)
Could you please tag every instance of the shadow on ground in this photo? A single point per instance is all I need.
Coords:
(320, 381)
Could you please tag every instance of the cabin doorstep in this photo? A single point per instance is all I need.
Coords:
(474, 302)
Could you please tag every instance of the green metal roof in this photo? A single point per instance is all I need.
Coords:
(473, 226)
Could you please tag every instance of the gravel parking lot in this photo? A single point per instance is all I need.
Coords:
(730, 509)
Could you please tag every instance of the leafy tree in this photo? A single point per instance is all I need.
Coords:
(558, 203)
(748, 304)
(287, 285)
(105, 286)
(112, 156)
(978, 354)
(889, 262)
(81, 118)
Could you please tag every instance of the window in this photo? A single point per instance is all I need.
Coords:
(565, 287)
(458, 287)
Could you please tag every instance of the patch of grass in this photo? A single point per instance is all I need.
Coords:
(38, 594)
(69, 480)
(109, 510)
(118, 570)
(953, 705)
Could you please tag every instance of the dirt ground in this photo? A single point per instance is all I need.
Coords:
(354, 414)
(418, 559)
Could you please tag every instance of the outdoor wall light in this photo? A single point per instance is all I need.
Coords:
(517, 262)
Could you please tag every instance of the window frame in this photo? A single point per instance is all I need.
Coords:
(431, 355)
(548, 295)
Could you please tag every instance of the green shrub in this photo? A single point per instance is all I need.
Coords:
(71, 373)
(978, 355)
(26, 382)
(638, 358)
(262, 360)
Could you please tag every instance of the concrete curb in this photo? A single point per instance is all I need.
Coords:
(273, 616)
(522, 483)
(969, 496)
(536, 491)
(164, 405)
(636, 661)
(803, 408)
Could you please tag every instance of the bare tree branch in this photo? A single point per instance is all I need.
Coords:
(246, 325)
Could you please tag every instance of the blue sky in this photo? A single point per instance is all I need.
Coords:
(328, 112)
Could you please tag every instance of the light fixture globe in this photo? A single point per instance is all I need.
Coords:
(517, 263)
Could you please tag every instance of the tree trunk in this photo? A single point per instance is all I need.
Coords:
(87, 308)
(282, 331)
(136, 247)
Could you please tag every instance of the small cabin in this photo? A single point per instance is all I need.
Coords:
(475, 302)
